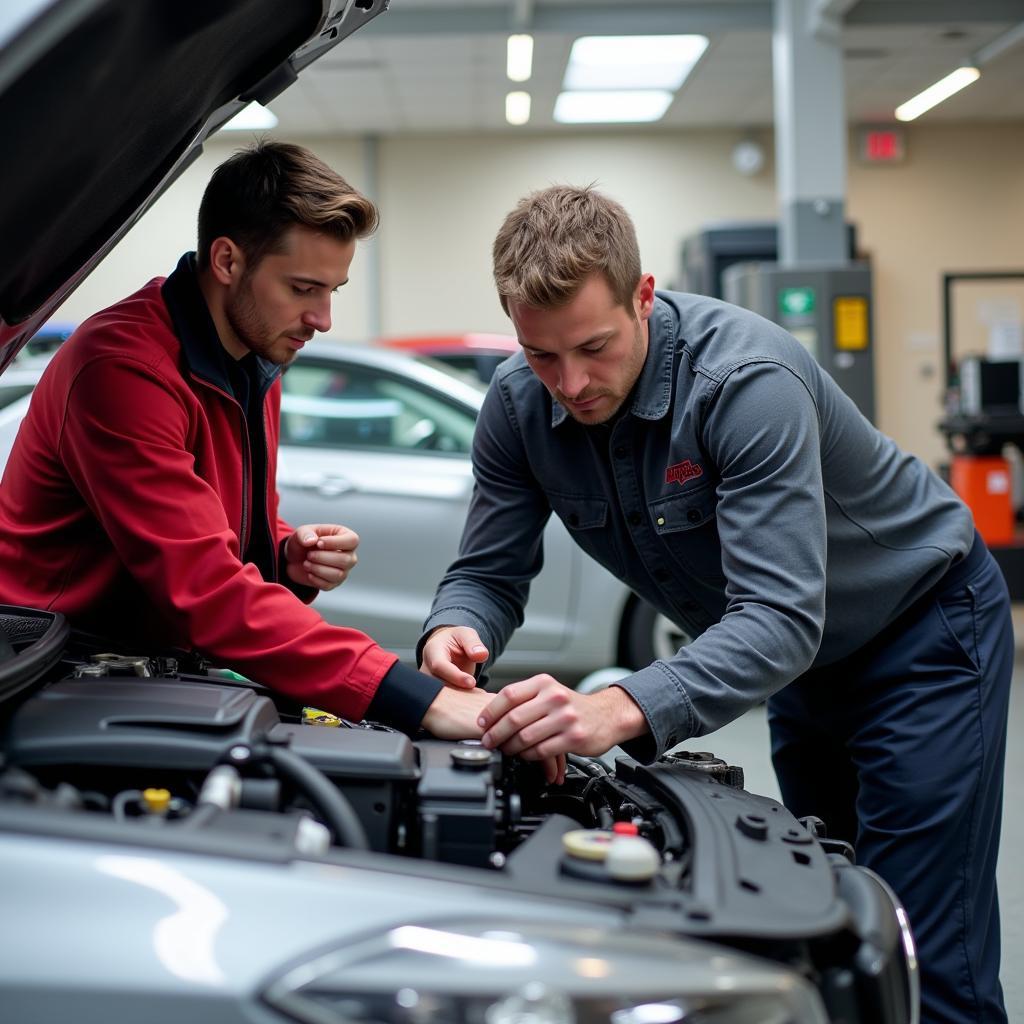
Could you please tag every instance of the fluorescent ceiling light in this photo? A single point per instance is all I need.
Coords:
(251, 118)
(632, 62)
(519, 59)
(517, 107)
(607, 107)
(936, 93)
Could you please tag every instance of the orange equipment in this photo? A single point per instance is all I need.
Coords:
(983, 482)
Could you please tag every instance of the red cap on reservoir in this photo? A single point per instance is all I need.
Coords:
(625, 828)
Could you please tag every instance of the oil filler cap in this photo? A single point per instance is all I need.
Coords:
(156, 800)
(471, 759)
(587, 843)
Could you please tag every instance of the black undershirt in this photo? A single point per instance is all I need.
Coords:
(244, 377)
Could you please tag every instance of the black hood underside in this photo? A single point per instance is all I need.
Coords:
(104, 102)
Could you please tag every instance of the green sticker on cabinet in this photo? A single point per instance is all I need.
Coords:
(796, 301)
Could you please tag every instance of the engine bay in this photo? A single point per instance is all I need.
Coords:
(180, 755)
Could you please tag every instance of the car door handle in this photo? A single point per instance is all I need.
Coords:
(330, 486)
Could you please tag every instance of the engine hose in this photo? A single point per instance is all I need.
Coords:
(602, 812)
(200, 816)
(119, 805)
(587, 765)
(330, 803)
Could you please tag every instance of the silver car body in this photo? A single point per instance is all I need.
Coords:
(198, 938)
(408, 505)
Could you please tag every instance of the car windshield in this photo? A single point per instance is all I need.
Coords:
(347, 405)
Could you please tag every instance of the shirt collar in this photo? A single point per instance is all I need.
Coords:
(652, 393)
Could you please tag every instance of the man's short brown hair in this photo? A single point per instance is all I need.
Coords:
(256, 195)
(557, 238)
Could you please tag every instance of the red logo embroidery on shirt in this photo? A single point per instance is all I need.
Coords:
(682, 471)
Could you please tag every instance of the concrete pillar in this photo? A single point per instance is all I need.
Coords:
(810, 134)
(373, 265)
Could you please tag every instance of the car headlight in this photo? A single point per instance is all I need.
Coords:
(473, 973)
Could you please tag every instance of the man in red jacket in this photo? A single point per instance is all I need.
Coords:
(140, 496)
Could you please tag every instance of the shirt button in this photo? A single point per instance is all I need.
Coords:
(693, 515)
(574, 520)
(662, 575)
(635, 519)
(621, 451)
(661, 520)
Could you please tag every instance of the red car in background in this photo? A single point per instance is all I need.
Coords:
(475, 354)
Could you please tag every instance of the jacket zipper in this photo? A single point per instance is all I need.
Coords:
(271, 533)
(243, 540)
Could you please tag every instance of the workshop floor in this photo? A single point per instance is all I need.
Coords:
(745, 742)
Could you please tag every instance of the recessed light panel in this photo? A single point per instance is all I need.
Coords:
(612, 107)
(632, 62)
(517, 108)
(519, 58)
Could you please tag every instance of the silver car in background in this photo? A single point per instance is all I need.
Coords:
(380, 441)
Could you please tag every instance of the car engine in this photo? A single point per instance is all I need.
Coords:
(169, 752)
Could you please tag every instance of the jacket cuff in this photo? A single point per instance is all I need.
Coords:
(301, 591)
(403, 697)
(666, 707)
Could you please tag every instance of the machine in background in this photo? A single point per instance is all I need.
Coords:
(827, 307)
(984, 414)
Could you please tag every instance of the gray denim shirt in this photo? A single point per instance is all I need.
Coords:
(740, 492)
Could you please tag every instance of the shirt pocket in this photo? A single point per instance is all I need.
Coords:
(687, 526)
(586, 519)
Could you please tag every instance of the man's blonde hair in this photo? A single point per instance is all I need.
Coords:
(558, 237)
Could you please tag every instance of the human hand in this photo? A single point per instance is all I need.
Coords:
(450, 654)
(539, 718)
(320, 555)
(453, 714)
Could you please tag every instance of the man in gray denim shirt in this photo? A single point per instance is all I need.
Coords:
(702, 455)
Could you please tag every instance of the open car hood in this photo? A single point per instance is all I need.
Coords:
(105, 102)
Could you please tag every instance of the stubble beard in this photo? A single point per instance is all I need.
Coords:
(596, 419)
(252, 330)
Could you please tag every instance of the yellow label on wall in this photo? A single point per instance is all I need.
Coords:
(850, 320)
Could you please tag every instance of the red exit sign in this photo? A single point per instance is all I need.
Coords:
(884, 145)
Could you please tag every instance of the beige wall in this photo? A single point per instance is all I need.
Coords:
(957, 203)
(444, 200)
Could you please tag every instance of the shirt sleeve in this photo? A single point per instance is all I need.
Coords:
(501, 549)
(126, 443)
(761, 431)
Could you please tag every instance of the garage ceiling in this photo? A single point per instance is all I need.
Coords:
(439, 65)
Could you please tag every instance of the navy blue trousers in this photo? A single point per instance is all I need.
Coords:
(899, 749)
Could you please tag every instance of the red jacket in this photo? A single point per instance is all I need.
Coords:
(123, 504)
